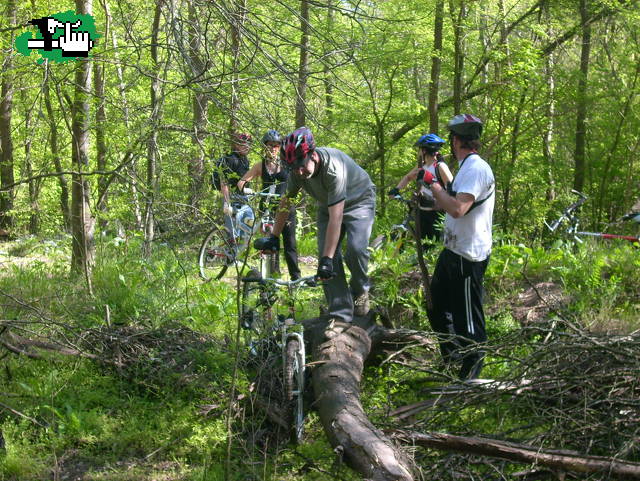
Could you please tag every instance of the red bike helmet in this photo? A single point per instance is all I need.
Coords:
(242, 138)
(466, 125)
(297, 146)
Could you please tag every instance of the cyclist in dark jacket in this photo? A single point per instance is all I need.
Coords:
(274, 176)
(233, 166)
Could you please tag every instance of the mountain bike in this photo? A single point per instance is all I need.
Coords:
(222, 248)
(398, 233)
(272, 331)
(571, 220)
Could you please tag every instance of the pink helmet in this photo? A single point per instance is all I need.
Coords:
(466, 125)
(297, 146)
(241, 138)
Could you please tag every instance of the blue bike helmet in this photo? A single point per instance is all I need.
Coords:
(430, 142)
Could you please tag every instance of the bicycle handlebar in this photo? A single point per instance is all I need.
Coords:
(244, 197)
(568, 211)
(309, 281)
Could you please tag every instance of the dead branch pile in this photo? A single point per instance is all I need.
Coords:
(172, 355)
(566, 389)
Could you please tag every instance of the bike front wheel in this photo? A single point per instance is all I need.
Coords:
(216, 254)
(378, 242)
(294, 387)
(397, 238)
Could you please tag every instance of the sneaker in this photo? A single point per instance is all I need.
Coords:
(361, 304)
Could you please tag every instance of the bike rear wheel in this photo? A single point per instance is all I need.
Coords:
(216, 253)
(294, 387)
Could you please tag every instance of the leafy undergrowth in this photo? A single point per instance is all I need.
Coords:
(135, 381)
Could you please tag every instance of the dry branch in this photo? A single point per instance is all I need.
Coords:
(522, 453)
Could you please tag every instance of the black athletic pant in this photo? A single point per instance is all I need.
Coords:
(458, 317)
(430, 224)
(290, 245)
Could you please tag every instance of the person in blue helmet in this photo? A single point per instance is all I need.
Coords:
(429, 159)
(274, 176)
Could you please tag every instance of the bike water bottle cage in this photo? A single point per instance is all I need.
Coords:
(245, 218)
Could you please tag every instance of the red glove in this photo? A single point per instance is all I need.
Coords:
(428, 178)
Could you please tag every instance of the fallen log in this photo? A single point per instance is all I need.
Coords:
(559, 460)
(340, 351)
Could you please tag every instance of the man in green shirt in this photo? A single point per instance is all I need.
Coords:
(346, 200)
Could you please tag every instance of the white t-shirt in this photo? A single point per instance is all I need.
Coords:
(470, 235)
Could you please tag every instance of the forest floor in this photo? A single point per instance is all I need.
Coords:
(159, 415)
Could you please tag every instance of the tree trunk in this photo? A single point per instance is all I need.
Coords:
(328, 81)
(131, 167)
(547, 134)
(82, 223)
(458, 18)
(152, 142)
(200, 107)
(582, 99)
(6, 142)
(339, 351)
(34, 184)
(513, 158)
(303, 68)
(55, 153)
(436, 63)
(101, 144)
(237, 21)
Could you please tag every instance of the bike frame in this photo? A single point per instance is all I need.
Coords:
(289, 329)
(570, 215)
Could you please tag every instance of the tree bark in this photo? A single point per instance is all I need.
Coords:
(82, 223)
(131, 167)
(548, 130)
(436, 63)
(34, 184)
(6, 142)
(328, 81)
(458, 54)
(582, 99)
(101, 144)
(200, 108)
(340, 351)
(237, 22)
(55, 153)
(303, 67)
(152, 142)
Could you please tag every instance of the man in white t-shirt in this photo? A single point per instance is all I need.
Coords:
(457, 284)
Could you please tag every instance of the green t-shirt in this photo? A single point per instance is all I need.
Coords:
(340, 178)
